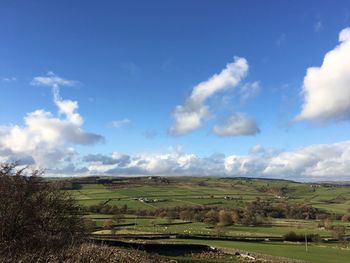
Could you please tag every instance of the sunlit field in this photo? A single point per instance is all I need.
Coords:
(146, 194)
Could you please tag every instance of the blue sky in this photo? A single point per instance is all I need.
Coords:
(132, 62)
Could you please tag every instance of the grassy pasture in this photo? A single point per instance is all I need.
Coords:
(191, 191)
(211, 192)
(317, 253)
(161, 225)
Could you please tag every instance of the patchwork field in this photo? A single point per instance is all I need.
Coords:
(146, 206)
(211, 192)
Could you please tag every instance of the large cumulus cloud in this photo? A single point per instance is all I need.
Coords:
(46, 139)
(326, 89)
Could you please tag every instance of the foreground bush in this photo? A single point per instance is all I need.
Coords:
(35, 215)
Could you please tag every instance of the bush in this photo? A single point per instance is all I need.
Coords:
(345, 218)
(293, 237)
(35, 215)
(225, 219)
(211, 217)
(339, 232)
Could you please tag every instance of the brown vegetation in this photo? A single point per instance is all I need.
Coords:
(35, 215)
(88, 253)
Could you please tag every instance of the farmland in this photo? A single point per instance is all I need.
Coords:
(210, 192)
(152, 206)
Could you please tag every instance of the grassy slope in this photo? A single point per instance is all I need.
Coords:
(316, 253)
(181, 192)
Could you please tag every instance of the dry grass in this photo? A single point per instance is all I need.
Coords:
(87, 253)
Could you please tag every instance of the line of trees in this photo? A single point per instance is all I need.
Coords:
(254, 213)
(107, 209)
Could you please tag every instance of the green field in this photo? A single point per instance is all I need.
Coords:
(319, 253)
(222, 193)
(152, 225)
(211, 192)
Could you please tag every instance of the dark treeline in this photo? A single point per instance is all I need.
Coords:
(293, 237)
(75, 183)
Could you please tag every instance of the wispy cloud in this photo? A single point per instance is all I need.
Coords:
(52, 80)
(117, 124)
(9, 79)
(248, 91)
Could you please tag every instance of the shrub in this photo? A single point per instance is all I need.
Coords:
(211, 217)
(34, 214)
(186, 215)
(292, 236)
(225, 219)
(345, 218)
(339, 232)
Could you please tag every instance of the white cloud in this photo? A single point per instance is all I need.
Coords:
(315, 162)
(326, 89)
(121, 123)
(189, 116)
(323, 160)
(67, 108)
(249, 165)
(101, 159)
(257, 148)
(52, 80)
(237, 124)
(330, 161)
(173, 163)
(46, 138)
